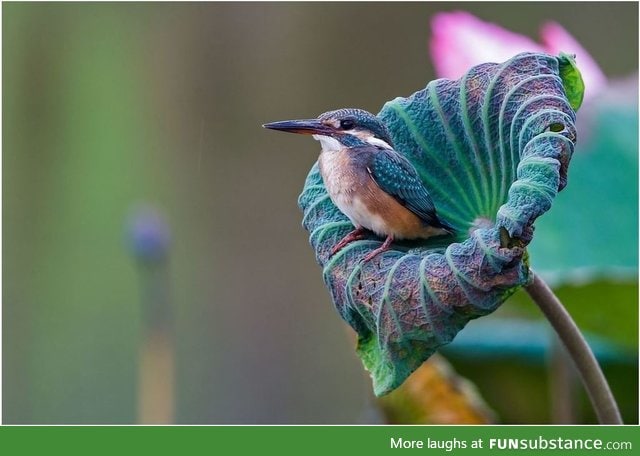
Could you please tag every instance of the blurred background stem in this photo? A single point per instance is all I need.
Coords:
(149, 240)
(593, 379)
(156, 366)
(562, 383)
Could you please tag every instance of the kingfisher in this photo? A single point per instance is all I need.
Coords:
(377, 188)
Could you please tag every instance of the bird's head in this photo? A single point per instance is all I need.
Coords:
(340, 128)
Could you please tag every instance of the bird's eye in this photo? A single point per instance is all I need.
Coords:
(347, 124)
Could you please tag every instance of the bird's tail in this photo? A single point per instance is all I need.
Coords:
(445, 226)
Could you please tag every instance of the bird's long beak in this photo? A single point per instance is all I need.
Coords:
(303, 127)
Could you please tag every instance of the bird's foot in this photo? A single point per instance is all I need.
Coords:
(383, 248)
(355, 235)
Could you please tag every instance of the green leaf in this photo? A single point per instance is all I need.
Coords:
(493, 149)
(529, 341)
(605, 308)
(571, 80)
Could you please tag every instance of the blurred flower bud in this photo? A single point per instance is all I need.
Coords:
(148, 235)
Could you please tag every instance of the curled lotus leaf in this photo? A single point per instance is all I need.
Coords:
(493, 149)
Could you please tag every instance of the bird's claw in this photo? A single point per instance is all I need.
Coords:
(357, 234)
(383, 248)
(354, 235)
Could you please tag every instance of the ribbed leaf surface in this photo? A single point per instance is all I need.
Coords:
(493, 150)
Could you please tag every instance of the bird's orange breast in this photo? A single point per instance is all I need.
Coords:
(356, 194)
(389, 217)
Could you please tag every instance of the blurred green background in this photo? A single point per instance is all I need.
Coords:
(107, 106)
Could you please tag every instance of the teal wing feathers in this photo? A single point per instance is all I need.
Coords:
(396, 176)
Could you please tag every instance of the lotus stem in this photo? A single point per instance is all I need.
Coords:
(591, 375)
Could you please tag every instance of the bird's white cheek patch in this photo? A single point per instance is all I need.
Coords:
(368, 138)
(378, 142)
(328, 143)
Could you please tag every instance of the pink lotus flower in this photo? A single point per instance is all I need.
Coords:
(460, 40)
